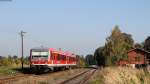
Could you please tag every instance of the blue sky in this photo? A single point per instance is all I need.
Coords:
(79, 26)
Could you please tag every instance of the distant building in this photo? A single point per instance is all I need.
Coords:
(136, 57)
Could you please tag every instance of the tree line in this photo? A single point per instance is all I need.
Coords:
(13, 60)
(116, 47)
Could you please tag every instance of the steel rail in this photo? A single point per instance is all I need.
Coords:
(82, 77)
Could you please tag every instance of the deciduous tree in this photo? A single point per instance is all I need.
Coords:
(116, 47)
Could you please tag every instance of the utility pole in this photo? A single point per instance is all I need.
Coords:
(22, 34)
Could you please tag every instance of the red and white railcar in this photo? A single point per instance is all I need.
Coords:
(51, 58)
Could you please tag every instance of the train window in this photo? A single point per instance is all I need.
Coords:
(42, 57)
(66, 58)
(55, 56)
(39, 55)
(59, 57)
(52, 56)
(63, 57)
(69, 59)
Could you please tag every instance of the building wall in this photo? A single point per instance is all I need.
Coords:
(136, 57)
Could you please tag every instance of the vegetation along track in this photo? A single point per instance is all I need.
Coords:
(9, 80)
(80, 78)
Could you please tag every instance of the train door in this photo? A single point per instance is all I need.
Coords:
(59, 59)
(67, 59)
(52, 57)
(55, 58)
(63, 59)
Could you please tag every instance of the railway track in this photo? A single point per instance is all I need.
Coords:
(10, 79)
(15, 80)
(80, 78)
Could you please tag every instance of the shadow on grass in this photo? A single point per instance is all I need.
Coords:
(25, 70)
(28, 70)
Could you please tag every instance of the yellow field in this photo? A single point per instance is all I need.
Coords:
(121, 75)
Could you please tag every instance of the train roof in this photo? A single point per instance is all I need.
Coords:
(39, 49)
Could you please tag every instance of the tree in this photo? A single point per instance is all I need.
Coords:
(99, 56)
(80, 61)
(90, 59)
(116, 47)
(15, 57)
(1, 60)
(147, 44)
(5, 61)
(10, 60)
(138, 45)
(26, 60)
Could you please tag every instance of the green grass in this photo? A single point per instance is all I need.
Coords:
(7, 70)
(96, 82)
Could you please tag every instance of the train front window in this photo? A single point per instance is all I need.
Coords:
(39, 55)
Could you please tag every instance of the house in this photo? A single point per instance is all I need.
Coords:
(136, 56)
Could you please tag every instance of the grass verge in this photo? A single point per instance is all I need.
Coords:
(120, 75)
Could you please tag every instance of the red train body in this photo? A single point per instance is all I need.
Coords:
(51, 58)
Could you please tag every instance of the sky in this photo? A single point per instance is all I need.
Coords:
(78, 26)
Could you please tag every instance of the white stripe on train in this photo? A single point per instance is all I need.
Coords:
(55, 65)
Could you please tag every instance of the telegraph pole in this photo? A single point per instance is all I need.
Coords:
(22, 34)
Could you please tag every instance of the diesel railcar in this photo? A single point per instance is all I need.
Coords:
(41, 59)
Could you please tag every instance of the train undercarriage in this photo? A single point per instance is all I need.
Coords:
(46, 68)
